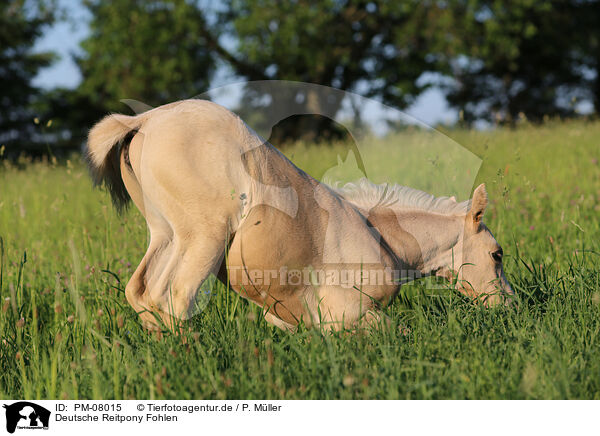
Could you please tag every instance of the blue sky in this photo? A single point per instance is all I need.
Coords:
(64, 38)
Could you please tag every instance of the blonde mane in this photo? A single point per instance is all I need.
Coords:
(367, 195)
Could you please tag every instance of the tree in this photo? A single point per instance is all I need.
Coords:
(515, 58)
(587, 42)
(153, 52)
(378, 49)
(21, 24)
(497, 58)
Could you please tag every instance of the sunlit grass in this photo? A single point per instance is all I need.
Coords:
(67, 331)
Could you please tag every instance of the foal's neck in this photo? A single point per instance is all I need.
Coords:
(421, 240)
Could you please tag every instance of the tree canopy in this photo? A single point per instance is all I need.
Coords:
(21, 24)
(517, 58)
(494, 60)
(151, 51)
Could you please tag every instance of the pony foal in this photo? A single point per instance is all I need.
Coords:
(220, 200)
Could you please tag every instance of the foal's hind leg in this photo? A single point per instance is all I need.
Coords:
(157, 254)
(188, 206)
(162, 290)
(161, 236)
(172, 291)
(135, 290)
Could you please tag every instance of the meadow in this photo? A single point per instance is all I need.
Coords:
(68, 332)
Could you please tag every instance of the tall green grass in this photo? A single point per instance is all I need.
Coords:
(67, 331)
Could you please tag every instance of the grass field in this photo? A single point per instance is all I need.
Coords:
(68, 332)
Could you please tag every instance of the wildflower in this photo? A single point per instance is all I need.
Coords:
(529, 379)
(348, 380)
(158, 382)
(6, 304)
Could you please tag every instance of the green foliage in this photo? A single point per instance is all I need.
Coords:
(377, 49)
(336, 43)
(496, 60)
(521, 58)
(150, 51)
(67, 331)
(21, 24)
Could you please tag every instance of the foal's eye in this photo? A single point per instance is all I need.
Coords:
(497, 255)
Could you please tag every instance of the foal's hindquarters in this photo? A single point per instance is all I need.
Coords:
(210, 189)
(177, 187)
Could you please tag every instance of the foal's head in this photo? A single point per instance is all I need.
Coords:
(480, 274)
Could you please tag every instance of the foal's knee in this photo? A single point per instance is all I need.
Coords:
(134, 292)
(135, 288)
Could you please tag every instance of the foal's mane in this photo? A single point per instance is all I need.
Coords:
(367, 195)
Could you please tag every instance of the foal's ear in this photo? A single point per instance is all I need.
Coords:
(478, 204)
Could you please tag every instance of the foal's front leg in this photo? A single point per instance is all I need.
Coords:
(377, 320)
(278, 322)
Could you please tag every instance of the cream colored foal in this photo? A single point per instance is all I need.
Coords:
(220, 200)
